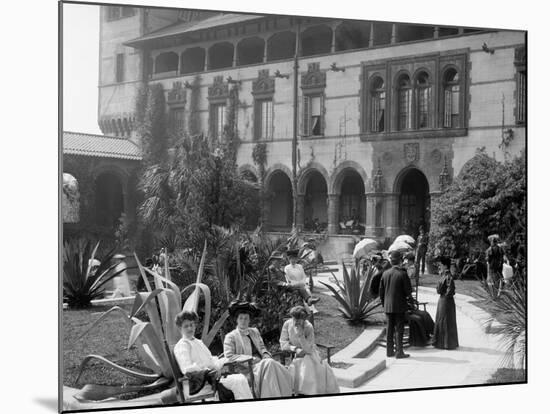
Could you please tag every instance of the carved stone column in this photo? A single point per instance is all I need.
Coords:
(393, 227)
(333, 201)
(300, 211)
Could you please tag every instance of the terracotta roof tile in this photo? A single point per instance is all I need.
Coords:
(77, 143)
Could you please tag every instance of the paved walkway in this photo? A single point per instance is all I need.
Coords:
(476, 359)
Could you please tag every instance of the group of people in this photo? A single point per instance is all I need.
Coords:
(306, 375)
(392, 284)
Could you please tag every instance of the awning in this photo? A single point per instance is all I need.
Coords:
(186, 28)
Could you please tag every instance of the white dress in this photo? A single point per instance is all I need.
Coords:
(193, 355)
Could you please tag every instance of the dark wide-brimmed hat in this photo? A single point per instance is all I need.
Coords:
(292, 252)
(444, 260)
(396, 255)
(242, 306)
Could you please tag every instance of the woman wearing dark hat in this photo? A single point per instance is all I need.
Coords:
(445, 331)
(311, 377)
(296, 278)
(271, 379)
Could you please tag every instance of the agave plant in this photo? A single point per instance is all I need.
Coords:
(81, 285)
(357, 303)
(154, 339)
(510, 309)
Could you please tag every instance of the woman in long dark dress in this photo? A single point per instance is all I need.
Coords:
(445, 331)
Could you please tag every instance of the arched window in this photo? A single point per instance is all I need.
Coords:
(424, 100)
(404, 103)
(451, 104)
(378, 104)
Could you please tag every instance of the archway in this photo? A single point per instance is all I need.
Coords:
(315, 203)
(414, 202)
(109, 199)
(280, 194)
(352, 210)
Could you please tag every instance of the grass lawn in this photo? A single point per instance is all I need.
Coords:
(507, 375)
(110, 340)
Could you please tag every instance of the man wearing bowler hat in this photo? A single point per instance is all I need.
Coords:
(395, 288)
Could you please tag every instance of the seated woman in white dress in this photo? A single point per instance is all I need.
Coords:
(192, 355)
(311, 376)
(271, 379)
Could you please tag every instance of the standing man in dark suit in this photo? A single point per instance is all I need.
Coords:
(395, 288)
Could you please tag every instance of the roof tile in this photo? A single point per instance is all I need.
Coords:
(90, 145)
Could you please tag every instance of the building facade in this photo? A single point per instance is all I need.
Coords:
(379, 116)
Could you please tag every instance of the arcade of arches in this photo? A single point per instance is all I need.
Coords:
(350, 209)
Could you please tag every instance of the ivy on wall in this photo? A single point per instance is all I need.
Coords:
(151, 123)
(194, 108)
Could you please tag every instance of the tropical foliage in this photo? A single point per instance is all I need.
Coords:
(486, 197)
(81, 284)
(356, 300)
(156, 337)
(194, 191)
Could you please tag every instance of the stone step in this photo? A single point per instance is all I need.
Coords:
(362, 346)
(362, 369)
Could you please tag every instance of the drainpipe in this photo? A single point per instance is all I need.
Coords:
(295, 132)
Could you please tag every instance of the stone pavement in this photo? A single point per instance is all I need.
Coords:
(477, 358)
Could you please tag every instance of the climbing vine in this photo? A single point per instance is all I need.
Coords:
(151, 123)
(194, 109)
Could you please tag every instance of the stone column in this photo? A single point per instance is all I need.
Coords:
(393, 227)
(436, 32)
(333, 41)
(234, 56)
(333, 207)
(300, 211)
(393, 33)
(371, 35)
(370, 204)
(265, 50)
(206, 63)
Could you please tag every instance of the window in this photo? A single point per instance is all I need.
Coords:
(217, 113)
(378, 104)
(424, 95)
(404, 103)
(119, 77)
(178, 120)
(113, 13)
(521, 91)
(264, 119)
(313, 115)
(451, 104)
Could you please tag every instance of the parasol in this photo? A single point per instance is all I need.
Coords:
(399, 246)
(364, 247)
(404, 238)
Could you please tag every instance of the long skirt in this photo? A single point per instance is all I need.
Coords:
(313, 377)
(445, 331)
(421, 327)
(271, 379)
(238, 384)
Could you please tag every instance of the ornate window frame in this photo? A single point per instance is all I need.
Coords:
(176, 100)
(313, 85)
(520, 94)
(263, 90)
(218, 94)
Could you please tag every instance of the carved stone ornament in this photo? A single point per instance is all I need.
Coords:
(435, 156)
(264, 84)
(444, 177)
(314, 78)
(177, 94)
(378, 180)
(219, 89)
(411, 151)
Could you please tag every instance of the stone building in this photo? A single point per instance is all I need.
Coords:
(379, 117)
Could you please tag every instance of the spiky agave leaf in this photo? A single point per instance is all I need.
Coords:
(104, 315)
(192, 302)
(96, 392)
(152, 345)
(201, 287)
(135, 374)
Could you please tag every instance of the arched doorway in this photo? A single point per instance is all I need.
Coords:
(352, 210)
(109, 199)
(252, 219)
(280, 194)
(414, 202)
(315, 203)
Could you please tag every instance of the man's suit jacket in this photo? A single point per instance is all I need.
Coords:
(395, 288)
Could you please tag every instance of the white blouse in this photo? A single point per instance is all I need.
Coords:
(193, 355)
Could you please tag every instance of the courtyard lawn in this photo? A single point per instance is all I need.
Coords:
(110, 339)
